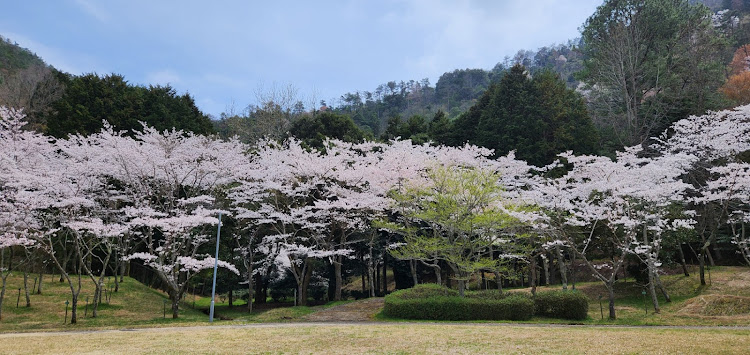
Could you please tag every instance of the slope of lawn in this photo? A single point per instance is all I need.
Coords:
(724, 302)
(135, 305)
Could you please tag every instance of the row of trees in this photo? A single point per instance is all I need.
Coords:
(87, 205)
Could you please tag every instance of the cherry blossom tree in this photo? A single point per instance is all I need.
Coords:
(719, 140)
(169, 180)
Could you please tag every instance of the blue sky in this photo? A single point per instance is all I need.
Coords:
(224, 51)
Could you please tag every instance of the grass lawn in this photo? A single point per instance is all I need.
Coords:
(725, 302)
(692, 304)
(135, 305)
(386, 338)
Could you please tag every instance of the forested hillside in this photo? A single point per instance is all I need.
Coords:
(690, 64)
(454, 93)
(59, 103)
(26, 81)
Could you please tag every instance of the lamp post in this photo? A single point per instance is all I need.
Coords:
(216, 266)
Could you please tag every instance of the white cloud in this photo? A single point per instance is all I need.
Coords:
(93, 9)
(163, 77)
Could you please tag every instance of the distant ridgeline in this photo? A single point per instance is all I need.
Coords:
(454, 91)
(59, 103)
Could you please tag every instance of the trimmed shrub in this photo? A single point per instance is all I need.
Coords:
(439, 303)
(424, 291)
(487, 294)
(561, 304)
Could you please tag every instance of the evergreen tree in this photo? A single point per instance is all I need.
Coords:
(313, 130)
(538, 118)
(90, 99)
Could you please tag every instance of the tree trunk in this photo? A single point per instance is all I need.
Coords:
(370, 275)
(339, 279)
(2, 292)
(545, 264)
(652, 287)
(250, 285)
(250, 288)
(261, 293)
(385, 274)
(561, 266)
(461, 286)
(573, 271)
(413, 267)
(41, 277)
(302, 292)
(74, 309)
(611, 292)
(116, 273)
(661, 287)
(499, 281)
(364, 285)
(682, 260)
(26, 287)
(175, 297)
(533, 277)
(97, 299)
(702, 269)
(377, 279)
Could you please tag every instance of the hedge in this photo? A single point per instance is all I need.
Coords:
(561, 304)
(439, 303)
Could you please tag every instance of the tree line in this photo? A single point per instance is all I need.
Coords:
(89, 205)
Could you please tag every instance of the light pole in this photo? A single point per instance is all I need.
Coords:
(216, 266)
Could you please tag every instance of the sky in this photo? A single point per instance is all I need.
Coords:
(224, 52)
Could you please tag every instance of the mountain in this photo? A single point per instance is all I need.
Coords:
(27, 81)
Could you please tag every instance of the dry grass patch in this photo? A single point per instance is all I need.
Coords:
(401, 338)
(717, 305)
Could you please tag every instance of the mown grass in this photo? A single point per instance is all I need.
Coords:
(386, 338)
(269, 312)
(134, 305)
(724, 303)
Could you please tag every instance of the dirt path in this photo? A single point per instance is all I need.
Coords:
(358, 311)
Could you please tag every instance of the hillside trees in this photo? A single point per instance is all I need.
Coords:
(737, 87)
(27, 82)
(314, 129)
(537, 117)
(91, 99)
(649, 64)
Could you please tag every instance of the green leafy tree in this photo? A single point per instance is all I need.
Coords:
(455, 219)
(313, 130)
(650, 62)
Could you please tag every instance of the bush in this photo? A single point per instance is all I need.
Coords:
(561, 304)
(424, 291)
(434, 302)
(487, 294)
